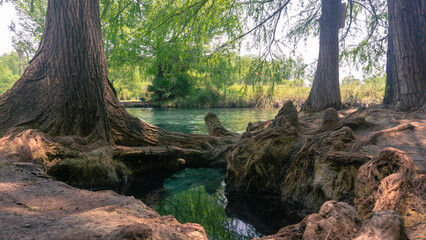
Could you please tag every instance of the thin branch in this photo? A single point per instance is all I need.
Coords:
(253, 29)
(193, 18)
(119, 12)
(106, 9)
(172, 16)
(376, 19)
(351, 6)
(253, 2)
(275, 30)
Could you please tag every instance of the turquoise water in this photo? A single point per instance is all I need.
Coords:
(196, 195)
(192, 120)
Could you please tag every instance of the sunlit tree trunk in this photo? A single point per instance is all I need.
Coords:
(65, 89)
(406, 58)
(325, 91)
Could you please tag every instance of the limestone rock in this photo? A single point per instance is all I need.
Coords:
(382, 225)
(335, 220)
(34, 206)
(340, 221)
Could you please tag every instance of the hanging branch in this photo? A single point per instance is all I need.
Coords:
(106, 9)
(174, 15)
(351, 6)
(278, 11)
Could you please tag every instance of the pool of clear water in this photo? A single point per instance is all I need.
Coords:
(196, 195)
(192, 120)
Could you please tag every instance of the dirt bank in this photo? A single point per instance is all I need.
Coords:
(35, 206)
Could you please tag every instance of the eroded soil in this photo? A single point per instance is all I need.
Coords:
(35, 206)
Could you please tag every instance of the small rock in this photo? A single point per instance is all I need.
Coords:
(337, 220)
(181, 161)
(382, 225)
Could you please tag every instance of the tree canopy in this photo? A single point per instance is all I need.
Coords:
(164, 50)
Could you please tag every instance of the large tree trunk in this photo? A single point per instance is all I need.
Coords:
(65, 89)
(325, 91)
(392, 84)
(83, 134)
(406, 66)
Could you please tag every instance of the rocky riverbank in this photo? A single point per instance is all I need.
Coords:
(35, 205)
(347, 174)
(308, 160)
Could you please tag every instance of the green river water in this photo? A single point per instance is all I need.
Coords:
(197, 195)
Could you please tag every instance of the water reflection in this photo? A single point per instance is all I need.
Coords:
(196, 205)
(196, 196)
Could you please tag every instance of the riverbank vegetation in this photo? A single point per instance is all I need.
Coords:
(167, 53)
(11, 68)
(133, 84)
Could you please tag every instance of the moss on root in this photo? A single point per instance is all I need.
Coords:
(91, 170)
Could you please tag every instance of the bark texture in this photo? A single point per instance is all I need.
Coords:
(392, 91)
(64, 112)
(66, 91)
(406, 69)
(325, 90)
(62, 91)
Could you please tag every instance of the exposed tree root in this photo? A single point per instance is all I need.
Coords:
(385, 132)
(215, 128)
(77, 161)
(332, 122)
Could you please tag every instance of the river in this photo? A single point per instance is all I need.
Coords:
(196, 195)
